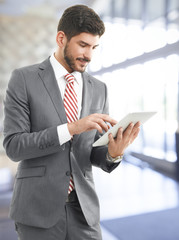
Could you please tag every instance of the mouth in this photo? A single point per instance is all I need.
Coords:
(83, 61)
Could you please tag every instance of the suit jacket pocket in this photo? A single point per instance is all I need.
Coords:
(31, 172)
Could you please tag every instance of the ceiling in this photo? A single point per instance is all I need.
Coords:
(19, 7)
(144, 10)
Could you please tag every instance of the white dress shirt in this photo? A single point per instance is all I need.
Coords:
(62, 130)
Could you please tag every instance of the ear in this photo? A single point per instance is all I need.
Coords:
(61, 39)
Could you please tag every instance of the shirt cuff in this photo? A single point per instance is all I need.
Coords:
(63, 134)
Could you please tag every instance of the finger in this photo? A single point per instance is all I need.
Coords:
(102, 124)
(94, 125)
(119, 134)
(135, 129)
(109, 125)
(106, 118)
(137, 125)
(95, 122)
(135, 134)
(131, 129)
(128, 130)
(103, 120)
(110, 137)
(112, 124)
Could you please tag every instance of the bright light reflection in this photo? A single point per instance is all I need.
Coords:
(172, 36)
(154, 38)
(152, 86)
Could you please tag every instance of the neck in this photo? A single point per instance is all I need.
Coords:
(62, 61)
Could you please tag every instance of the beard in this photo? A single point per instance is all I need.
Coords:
(70, 60)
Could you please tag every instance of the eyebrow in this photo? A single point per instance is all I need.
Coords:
(87, 44)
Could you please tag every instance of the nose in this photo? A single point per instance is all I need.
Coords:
(88, 53)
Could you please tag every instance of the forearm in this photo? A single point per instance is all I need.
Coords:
(98, 159)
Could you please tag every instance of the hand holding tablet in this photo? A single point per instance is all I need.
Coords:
(141, 117)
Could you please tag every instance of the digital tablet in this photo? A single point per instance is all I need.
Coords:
(131, 117)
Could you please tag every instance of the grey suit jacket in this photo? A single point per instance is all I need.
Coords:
(33, 110)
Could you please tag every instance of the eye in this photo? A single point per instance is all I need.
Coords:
(82, 45)
(94, 48)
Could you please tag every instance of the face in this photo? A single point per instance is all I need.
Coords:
(79, 50)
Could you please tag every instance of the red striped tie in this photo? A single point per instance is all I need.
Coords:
(71, 109)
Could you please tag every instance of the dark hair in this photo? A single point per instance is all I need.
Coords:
(78, 19)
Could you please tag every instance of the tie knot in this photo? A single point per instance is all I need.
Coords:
(69, 78)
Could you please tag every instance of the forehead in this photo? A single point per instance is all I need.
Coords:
(88, 38)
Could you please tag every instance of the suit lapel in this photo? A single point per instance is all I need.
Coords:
(47, 75)
(87, 97)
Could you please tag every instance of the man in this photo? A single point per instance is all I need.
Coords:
(52, 119)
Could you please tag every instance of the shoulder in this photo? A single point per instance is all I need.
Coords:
(21, 76)
(26, 69)
(32, 68)
(27, 72)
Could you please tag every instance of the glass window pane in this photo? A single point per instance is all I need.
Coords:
(135, 9)
(119, 8)
(155, 9)
(173, 4)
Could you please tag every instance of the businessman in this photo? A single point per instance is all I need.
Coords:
(54, 111)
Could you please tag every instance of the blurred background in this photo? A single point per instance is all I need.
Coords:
(138, 59)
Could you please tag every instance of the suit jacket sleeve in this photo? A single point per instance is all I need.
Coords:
(98, 154)
(19, 142)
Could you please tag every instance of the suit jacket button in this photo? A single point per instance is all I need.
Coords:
(68, 173)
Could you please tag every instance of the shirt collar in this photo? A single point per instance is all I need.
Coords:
(60, 71)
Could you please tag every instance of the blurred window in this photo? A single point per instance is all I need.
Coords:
(151, 86)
